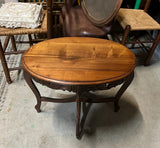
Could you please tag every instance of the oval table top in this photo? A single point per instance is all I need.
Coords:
(79, 61)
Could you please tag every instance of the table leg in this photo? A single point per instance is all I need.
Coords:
(78, 129)
(81, 120)
(29, 81)
(121, 91)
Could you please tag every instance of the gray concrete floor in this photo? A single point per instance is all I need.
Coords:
(137, 124)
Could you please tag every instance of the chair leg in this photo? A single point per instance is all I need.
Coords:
(4, 65)
(35, 37)
(152, 49)
(6, 43)
(30, 40)
(134, 40)
(13, 43)
(126, 32)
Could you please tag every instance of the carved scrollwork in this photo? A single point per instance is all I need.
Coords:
(82, 88)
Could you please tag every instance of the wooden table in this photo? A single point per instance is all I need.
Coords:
(79, 65)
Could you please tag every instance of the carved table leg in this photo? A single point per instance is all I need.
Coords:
(29, 81)
(78, 129)
(81, 120)
(86, 109)
(122, 90)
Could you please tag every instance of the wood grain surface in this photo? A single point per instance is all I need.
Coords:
(79, 61)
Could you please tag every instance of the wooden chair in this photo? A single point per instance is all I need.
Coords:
(94, 18)
(53, 12)
(139, 20)
(10, 33)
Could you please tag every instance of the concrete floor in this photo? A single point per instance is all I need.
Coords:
(137, 124)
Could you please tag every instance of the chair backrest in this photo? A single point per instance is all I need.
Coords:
(101, 12)
(147, 5)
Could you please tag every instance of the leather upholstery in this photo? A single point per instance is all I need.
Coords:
(75, 22)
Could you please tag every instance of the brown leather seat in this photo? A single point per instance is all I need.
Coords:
(87, 21)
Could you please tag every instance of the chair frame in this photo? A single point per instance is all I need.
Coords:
(155, 41)
(3, 48)
(53, 13)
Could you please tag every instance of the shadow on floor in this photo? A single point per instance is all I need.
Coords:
(101, 116)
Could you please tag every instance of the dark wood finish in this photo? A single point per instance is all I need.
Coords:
(126, 33)
(80, 65)
(147, 4)
(3, 52)
(125, 18)
(76, 21)
(4, 65)
(101, 62)
(49, 19)
(13, 43)
(155, 43)
(53, 13)
(141, 43)
(30, 39)
(3, 60)
(6, 43)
